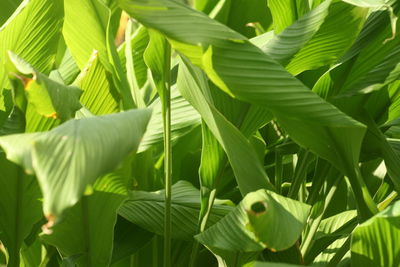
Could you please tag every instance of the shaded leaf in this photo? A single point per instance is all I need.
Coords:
(77, 153)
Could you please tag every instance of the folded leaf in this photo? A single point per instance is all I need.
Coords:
(72, 156)
(262, 220)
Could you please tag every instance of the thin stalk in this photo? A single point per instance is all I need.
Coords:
(300, 175)
(154, 246)
(322, 169)
(278, 171)
(365, 203)
(14, 256)
(204, 215)
(168, 155)
(315, 222)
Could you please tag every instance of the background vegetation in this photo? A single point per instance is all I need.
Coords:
(202, 133)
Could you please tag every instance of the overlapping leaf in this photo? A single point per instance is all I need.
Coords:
(374, 243)
(146, 209)
(184, 118)
(91, 222)
(87, 28)
(72, 156)
(49, 98)
(33, 32)
(249, 172)
(244, 71)
(20, 207)
(99, 92)
(262, 220)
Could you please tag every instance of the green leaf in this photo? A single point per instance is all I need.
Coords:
(68, 70)
(91, 223)
(184, 118)
(7, 9)
(87, 28)
(247, 17)
(146, 209)
(285, 45)
(76, 153)
(33, 32)
(370, 64)
(99, 93)
(262, 220)
(50, 99)
(375, 242)
(135, 70)
(329, 44)
(286, 12)
(20, 207)
(128, 239)
(243, 70)
(249, 172)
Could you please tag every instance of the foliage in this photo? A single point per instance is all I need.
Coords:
(199, 133)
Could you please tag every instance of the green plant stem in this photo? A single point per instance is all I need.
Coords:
(322, 169)
(168, 155)
(204, 215)
(14, 256)
(300, 175)
(315, 222)
(278, 171)
(365, 204)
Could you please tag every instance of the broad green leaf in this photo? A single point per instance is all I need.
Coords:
(157, 58)
(212, 160)
(68, 70)
(329, 44)
(331, 234)
(33, 32)
(375, 242)
(87, 28)
(329, 253)
(15, 122)
(20, 207)
(86, 231)
(376, 142)
(128, 239)
(7, 9)
(146, 209)
(332, 224)
(249, 171)
(262, 220)
(243, 70)
(77, 153)
(99, 92)
(285, 45)
(184, 118)
(31, 256)
(247, 17)
(136, 75)
(139, 42)
(286, 12)
(50, 99)
(374, 61)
